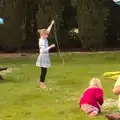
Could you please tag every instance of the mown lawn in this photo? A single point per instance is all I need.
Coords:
(22, 99)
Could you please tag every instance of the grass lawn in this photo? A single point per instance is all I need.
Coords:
(22, 99)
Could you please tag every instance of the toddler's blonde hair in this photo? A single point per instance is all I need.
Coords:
(43, 31)
(95, 82)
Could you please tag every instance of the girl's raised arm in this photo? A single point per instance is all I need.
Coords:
(50, 27)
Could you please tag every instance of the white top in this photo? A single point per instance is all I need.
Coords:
(43, 45)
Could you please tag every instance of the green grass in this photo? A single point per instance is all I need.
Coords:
(22, 99)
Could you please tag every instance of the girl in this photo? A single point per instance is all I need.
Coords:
(116, 90)
(92, 98)
(43, 60)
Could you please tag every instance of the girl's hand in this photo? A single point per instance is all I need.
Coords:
(53, 21)
(52, 46)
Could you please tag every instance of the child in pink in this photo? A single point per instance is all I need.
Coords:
(92, 98)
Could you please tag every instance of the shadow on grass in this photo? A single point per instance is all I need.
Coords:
(10, 79)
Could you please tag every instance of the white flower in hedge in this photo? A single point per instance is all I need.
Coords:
(74, 30)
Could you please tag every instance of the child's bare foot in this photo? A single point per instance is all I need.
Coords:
(42, 85)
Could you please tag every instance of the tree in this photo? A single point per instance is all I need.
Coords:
(11, 32)
(91, 17)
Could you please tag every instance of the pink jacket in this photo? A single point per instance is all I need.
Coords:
(92, 96)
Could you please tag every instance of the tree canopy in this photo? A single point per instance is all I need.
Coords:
(96, 22)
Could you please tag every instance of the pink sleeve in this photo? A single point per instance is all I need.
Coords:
(99, 96)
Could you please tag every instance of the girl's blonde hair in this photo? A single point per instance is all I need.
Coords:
(43, 31)
(95, 82)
